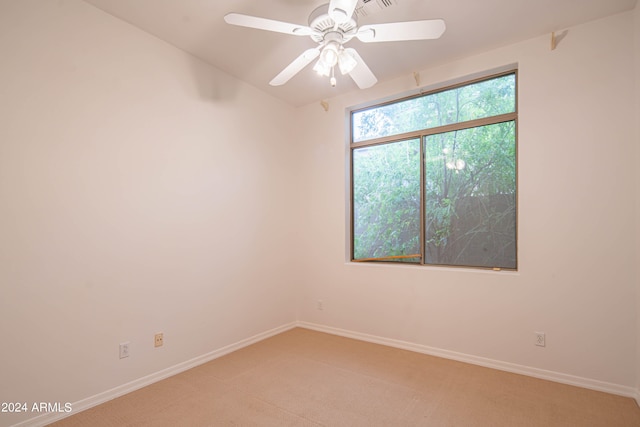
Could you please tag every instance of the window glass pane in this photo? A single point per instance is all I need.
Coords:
(386, 201)
(470, 197)
(475, 101)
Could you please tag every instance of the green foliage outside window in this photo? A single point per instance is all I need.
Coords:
(462, 211)
(387, 205)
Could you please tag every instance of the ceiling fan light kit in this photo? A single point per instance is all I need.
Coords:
(331, 26)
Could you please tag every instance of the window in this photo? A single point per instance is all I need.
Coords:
(433, 177)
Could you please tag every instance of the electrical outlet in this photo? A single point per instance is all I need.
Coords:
(320, 305)
(540, 339)
(159, 339)
(124, 350)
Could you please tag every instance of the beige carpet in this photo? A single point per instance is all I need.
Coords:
(307, 378)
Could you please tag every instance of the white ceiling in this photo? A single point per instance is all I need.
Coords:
(255, 56)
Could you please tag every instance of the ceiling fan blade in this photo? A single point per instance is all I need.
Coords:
(361, 74)
(295, 67)
(401, 31)
(267, 24)
(342, 10)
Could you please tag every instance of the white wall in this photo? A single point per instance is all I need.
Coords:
(577, 278)
(141, 191)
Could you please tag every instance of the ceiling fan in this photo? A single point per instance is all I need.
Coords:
(331, 26)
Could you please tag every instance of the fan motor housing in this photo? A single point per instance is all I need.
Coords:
(320, 21)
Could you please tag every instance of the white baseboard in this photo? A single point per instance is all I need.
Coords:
(481, 361)
(103, 397)
(108, 395)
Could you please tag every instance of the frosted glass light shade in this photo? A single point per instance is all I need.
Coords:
(346, 62)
